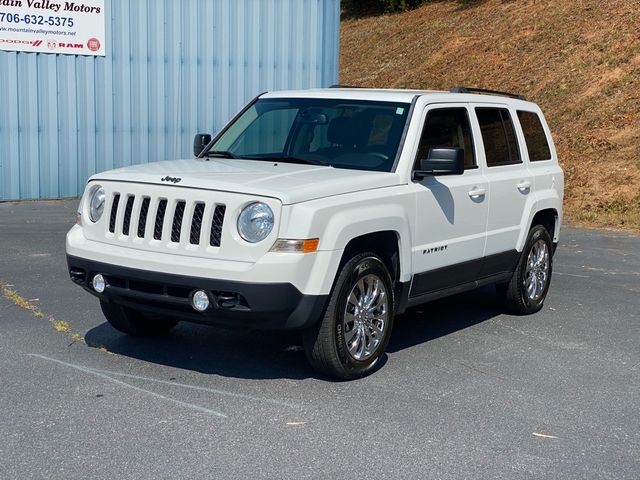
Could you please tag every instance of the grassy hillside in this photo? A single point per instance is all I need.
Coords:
(579, 60)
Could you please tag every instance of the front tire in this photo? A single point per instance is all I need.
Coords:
(526, 291)
(350, 339)
(133, 322)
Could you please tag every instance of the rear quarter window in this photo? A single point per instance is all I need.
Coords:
(536, 139)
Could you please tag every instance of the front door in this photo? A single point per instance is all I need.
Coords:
(451, 210)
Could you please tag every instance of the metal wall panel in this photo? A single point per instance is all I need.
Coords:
(172, 68)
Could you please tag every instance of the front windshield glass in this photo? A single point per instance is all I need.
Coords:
(362, 135)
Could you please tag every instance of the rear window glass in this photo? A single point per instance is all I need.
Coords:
(498, 135)
(537, 144)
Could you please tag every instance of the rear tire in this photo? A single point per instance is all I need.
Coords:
(133, 322)
(525, 293)
(350, 339)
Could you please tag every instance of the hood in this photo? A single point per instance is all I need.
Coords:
(288, 182)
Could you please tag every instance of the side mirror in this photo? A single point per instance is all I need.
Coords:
(441, 161)
(200, 141)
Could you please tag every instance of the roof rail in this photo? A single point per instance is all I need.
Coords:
(460, 89)
(337, 85)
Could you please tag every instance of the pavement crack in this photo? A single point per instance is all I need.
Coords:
(196, 387)
(571, 275)
(522, 332)
(128, 385)
(482, 371)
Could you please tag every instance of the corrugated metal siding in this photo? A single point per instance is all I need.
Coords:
(172, 68)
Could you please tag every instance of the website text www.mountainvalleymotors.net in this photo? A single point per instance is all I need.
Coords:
(39, 31)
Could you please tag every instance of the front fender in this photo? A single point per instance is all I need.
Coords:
(338, 220)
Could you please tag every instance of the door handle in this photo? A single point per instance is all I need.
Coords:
(477, 193)
(524, 186)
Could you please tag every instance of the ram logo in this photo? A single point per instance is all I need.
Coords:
(170, 179)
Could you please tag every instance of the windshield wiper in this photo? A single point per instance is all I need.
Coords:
(221, 153)
(287, 159)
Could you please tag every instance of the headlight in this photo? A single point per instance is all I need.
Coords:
(255, 222)
(96, 203)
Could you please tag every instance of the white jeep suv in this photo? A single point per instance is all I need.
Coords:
(328, 211)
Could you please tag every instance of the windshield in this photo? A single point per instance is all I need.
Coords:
(362, 135)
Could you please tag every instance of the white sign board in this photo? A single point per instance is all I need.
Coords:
(57, 26)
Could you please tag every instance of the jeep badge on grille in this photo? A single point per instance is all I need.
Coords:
(170, 179)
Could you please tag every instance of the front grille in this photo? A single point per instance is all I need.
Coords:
(157, 229)
(126, 223)
(177, 222)
(196, 224)
(216, 226)
(142, 220)
(114, 213)
(184, 216)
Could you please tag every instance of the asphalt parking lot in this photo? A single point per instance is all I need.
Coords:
(466, 391)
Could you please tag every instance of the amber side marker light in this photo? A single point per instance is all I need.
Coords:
(284, 245)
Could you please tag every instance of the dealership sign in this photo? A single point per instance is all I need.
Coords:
(46, 26)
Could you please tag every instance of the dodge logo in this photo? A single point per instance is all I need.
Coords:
(170, 179)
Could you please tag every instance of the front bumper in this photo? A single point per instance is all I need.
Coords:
(270, 306)
(311, 274)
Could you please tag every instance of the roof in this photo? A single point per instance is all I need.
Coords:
(391, 95)
(377, 94)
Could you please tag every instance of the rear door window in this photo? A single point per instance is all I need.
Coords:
(498, 135)
(537, 144)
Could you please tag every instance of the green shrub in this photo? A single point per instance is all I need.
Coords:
(356, 7)
(394, 5)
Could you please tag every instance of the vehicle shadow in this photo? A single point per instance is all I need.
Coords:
(252, 354)
(443, 317)
(205, 349)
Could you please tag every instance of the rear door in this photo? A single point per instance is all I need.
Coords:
(510, 186)
(451, 210)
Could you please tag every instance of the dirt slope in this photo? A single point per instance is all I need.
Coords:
(579, 60)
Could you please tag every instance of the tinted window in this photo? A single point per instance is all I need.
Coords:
(268, 132)
(353, 134)
(498, 135)
(534, 135)
(447, 127)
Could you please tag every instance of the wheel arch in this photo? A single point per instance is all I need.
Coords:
(547, 212)
(385, 244)
(548, 218)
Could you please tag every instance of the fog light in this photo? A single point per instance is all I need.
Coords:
(98, 283)
(200, 301)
